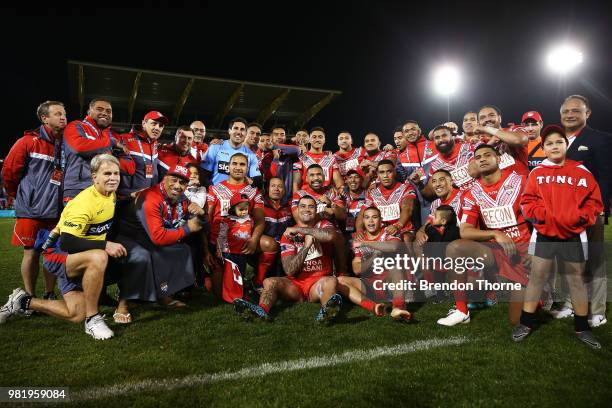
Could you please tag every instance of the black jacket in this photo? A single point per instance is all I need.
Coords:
(594, 149)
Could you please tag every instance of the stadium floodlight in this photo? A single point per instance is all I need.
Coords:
(564, 58)
(446, 80)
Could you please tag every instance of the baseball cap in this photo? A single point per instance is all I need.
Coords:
(155, 115)
(550, 129)
(357, 171)
(533, 115)
(179, 171)
(238, 198)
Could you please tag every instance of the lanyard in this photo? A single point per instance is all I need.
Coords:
(92, 127)
(144, 156)
(419, 154)
(59, 161)
(179, 208)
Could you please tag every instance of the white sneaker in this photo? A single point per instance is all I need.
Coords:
(13, 305)
(562, 313)
(455, 316)
(597, 320)
(97, 328)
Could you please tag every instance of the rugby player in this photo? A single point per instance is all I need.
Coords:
(316, 155)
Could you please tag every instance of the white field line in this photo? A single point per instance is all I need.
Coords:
(264, 369)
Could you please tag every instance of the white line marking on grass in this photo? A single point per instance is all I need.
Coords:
(347, 357)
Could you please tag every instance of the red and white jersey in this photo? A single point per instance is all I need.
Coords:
(233, 233)
(417, 154)
(497, 206)
(389, 201)
(365, 251)
(454, 200)
(326, 160)
(328, 192)
(318, 262)
(168, 157)
(349, 160)
(515, 158)
(219, 197)
(353, 204)
(456, 164)
(378, 156)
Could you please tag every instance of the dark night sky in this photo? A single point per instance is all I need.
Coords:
(380, 54)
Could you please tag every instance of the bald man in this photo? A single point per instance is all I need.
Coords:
(198, 148)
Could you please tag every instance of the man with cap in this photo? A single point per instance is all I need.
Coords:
(532, 124)
(142, 146)
(176, 153)
(198, 147)
(153, 230)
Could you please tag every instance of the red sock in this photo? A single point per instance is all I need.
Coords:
(265, 307)
(461, 306)
(399, 303)
(266, 259)
(460, 300)
(367, 304)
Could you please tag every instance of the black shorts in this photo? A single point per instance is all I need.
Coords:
(574, 249)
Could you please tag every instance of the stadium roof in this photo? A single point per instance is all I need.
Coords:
(184, 98)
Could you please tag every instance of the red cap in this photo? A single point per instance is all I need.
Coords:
(179, 171)
(155, 115)
(238, 198)
(533, 115)
(357, 171)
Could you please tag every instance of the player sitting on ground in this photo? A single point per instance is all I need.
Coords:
(307, 251)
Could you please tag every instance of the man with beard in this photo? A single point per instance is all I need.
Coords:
(470, 122)
(216, 162)
(198, 147)
(176, 153)
(307, 252)
(142, 146)
(455, 157)
(492, 204)
(316, 155)
(84, 139)
(329, 203)
(347, 156)
(395, 201)
(511, 145)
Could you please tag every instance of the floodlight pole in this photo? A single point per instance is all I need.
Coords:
(448, 107)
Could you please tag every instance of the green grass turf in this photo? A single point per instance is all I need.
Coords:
(551, 368)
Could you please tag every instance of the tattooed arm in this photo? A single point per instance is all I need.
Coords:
(293, 264)
(322, 235)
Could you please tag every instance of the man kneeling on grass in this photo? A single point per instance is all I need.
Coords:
(79, 258)
(306, 254)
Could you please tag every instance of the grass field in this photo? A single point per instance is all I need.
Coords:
(206, 356)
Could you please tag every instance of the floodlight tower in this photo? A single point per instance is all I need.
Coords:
(446, 82)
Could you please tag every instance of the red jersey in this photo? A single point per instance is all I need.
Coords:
(365, 251)
(497, 206)
(233, 233)
(512, 157)
(349, 160)
(454, 200)
(457, 164)
(219, 197)
(168, 157)
(327, 192)
(378, 156)
(417, 154)
(389, 201)
(326, 160)
(318, 262)
(561, 201)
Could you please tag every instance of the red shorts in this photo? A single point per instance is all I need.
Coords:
(305, 284)
(24, 233)
(513, 271)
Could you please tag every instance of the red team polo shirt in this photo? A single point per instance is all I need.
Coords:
(326, 160)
